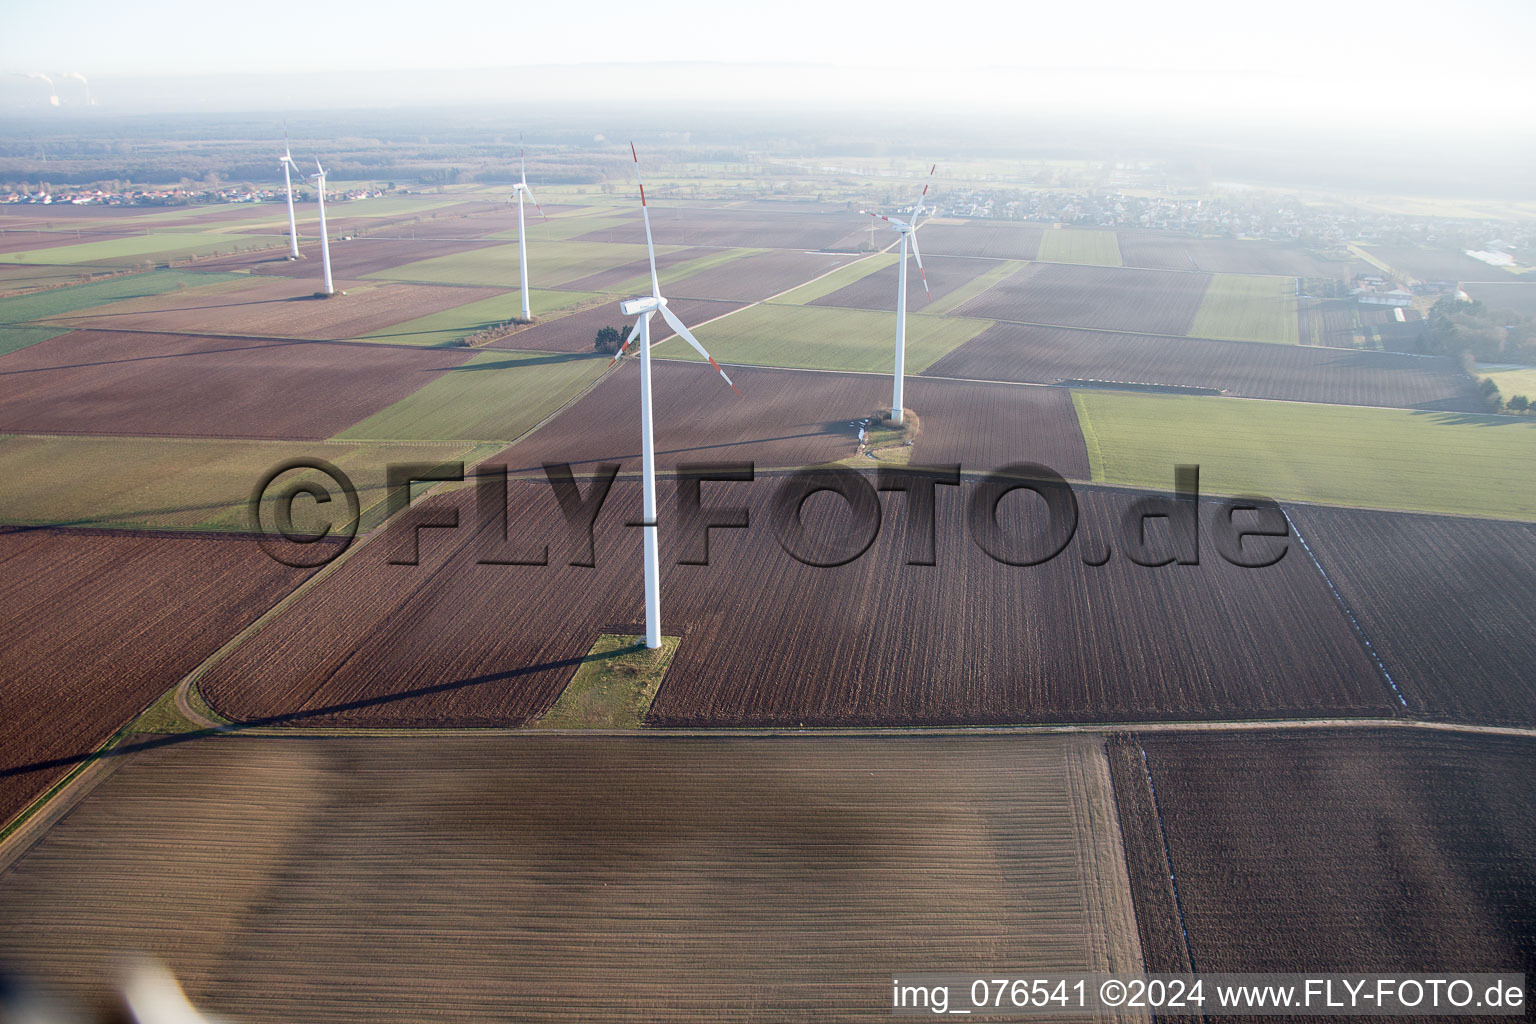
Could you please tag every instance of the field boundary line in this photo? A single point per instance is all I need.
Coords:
(1349, 613)
(770, 298)
(44, 811)
(183, 687)
(726, 732)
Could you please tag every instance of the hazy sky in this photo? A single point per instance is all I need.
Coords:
(1376, 59)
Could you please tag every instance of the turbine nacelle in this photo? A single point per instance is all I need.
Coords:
(641, 306)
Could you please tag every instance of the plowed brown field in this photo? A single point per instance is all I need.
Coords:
(1101, 298)
(1336, 851)
(1049, 355)
(94, 625)
(113, 382)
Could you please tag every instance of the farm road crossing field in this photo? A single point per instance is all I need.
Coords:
(877, 291)
(547, 848)
(113, 382)
(755, 277)
(183, 483)
(1341, 455)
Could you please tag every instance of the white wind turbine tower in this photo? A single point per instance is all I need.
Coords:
(908, 232)
(325, 240)
(293, 228)
(520, 189)
(643, 309)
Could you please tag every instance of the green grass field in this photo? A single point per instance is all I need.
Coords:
(13, 338)
(182, 483)
(1512, 382)
(549, 265)
(451, 326)
(842, 277)
(613, 686)
(129, 248)
(1334, 454)
(1239, 307)
(1073, 245)
(825, 338)
(59, 301)
(495, 396)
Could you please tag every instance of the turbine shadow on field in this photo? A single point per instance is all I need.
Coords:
(511, 363)
(839, 426)
(257, 343)
(1471, 419)
(180, 309)
(291, 717)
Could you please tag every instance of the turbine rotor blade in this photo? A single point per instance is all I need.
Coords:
(919, 207)
(633, 334)
(919, 254)
(687, 335)
(645, 213)
(536, 205)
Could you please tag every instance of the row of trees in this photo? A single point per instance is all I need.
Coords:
(1494, 400)
(1458, 327)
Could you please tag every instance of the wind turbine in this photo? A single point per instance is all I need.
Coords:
(643, 309)
(325, 241)
(293, 228)
(520, 189)
(908, 232)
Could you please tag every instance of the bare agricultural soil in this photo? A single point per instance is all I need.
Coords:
(1050, 355)
(576, 332)
(606, 280)
(757, 229)
(1005, 241)
(769, 640)
(1100, 298)
(758, 276)
(357, 257)
(797, 418)
(279, 308)
(94, 625)
(646, 879)
(878, 290)
(1446, 602)
(116, 382)
(1157, 250)
(1335, 850)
